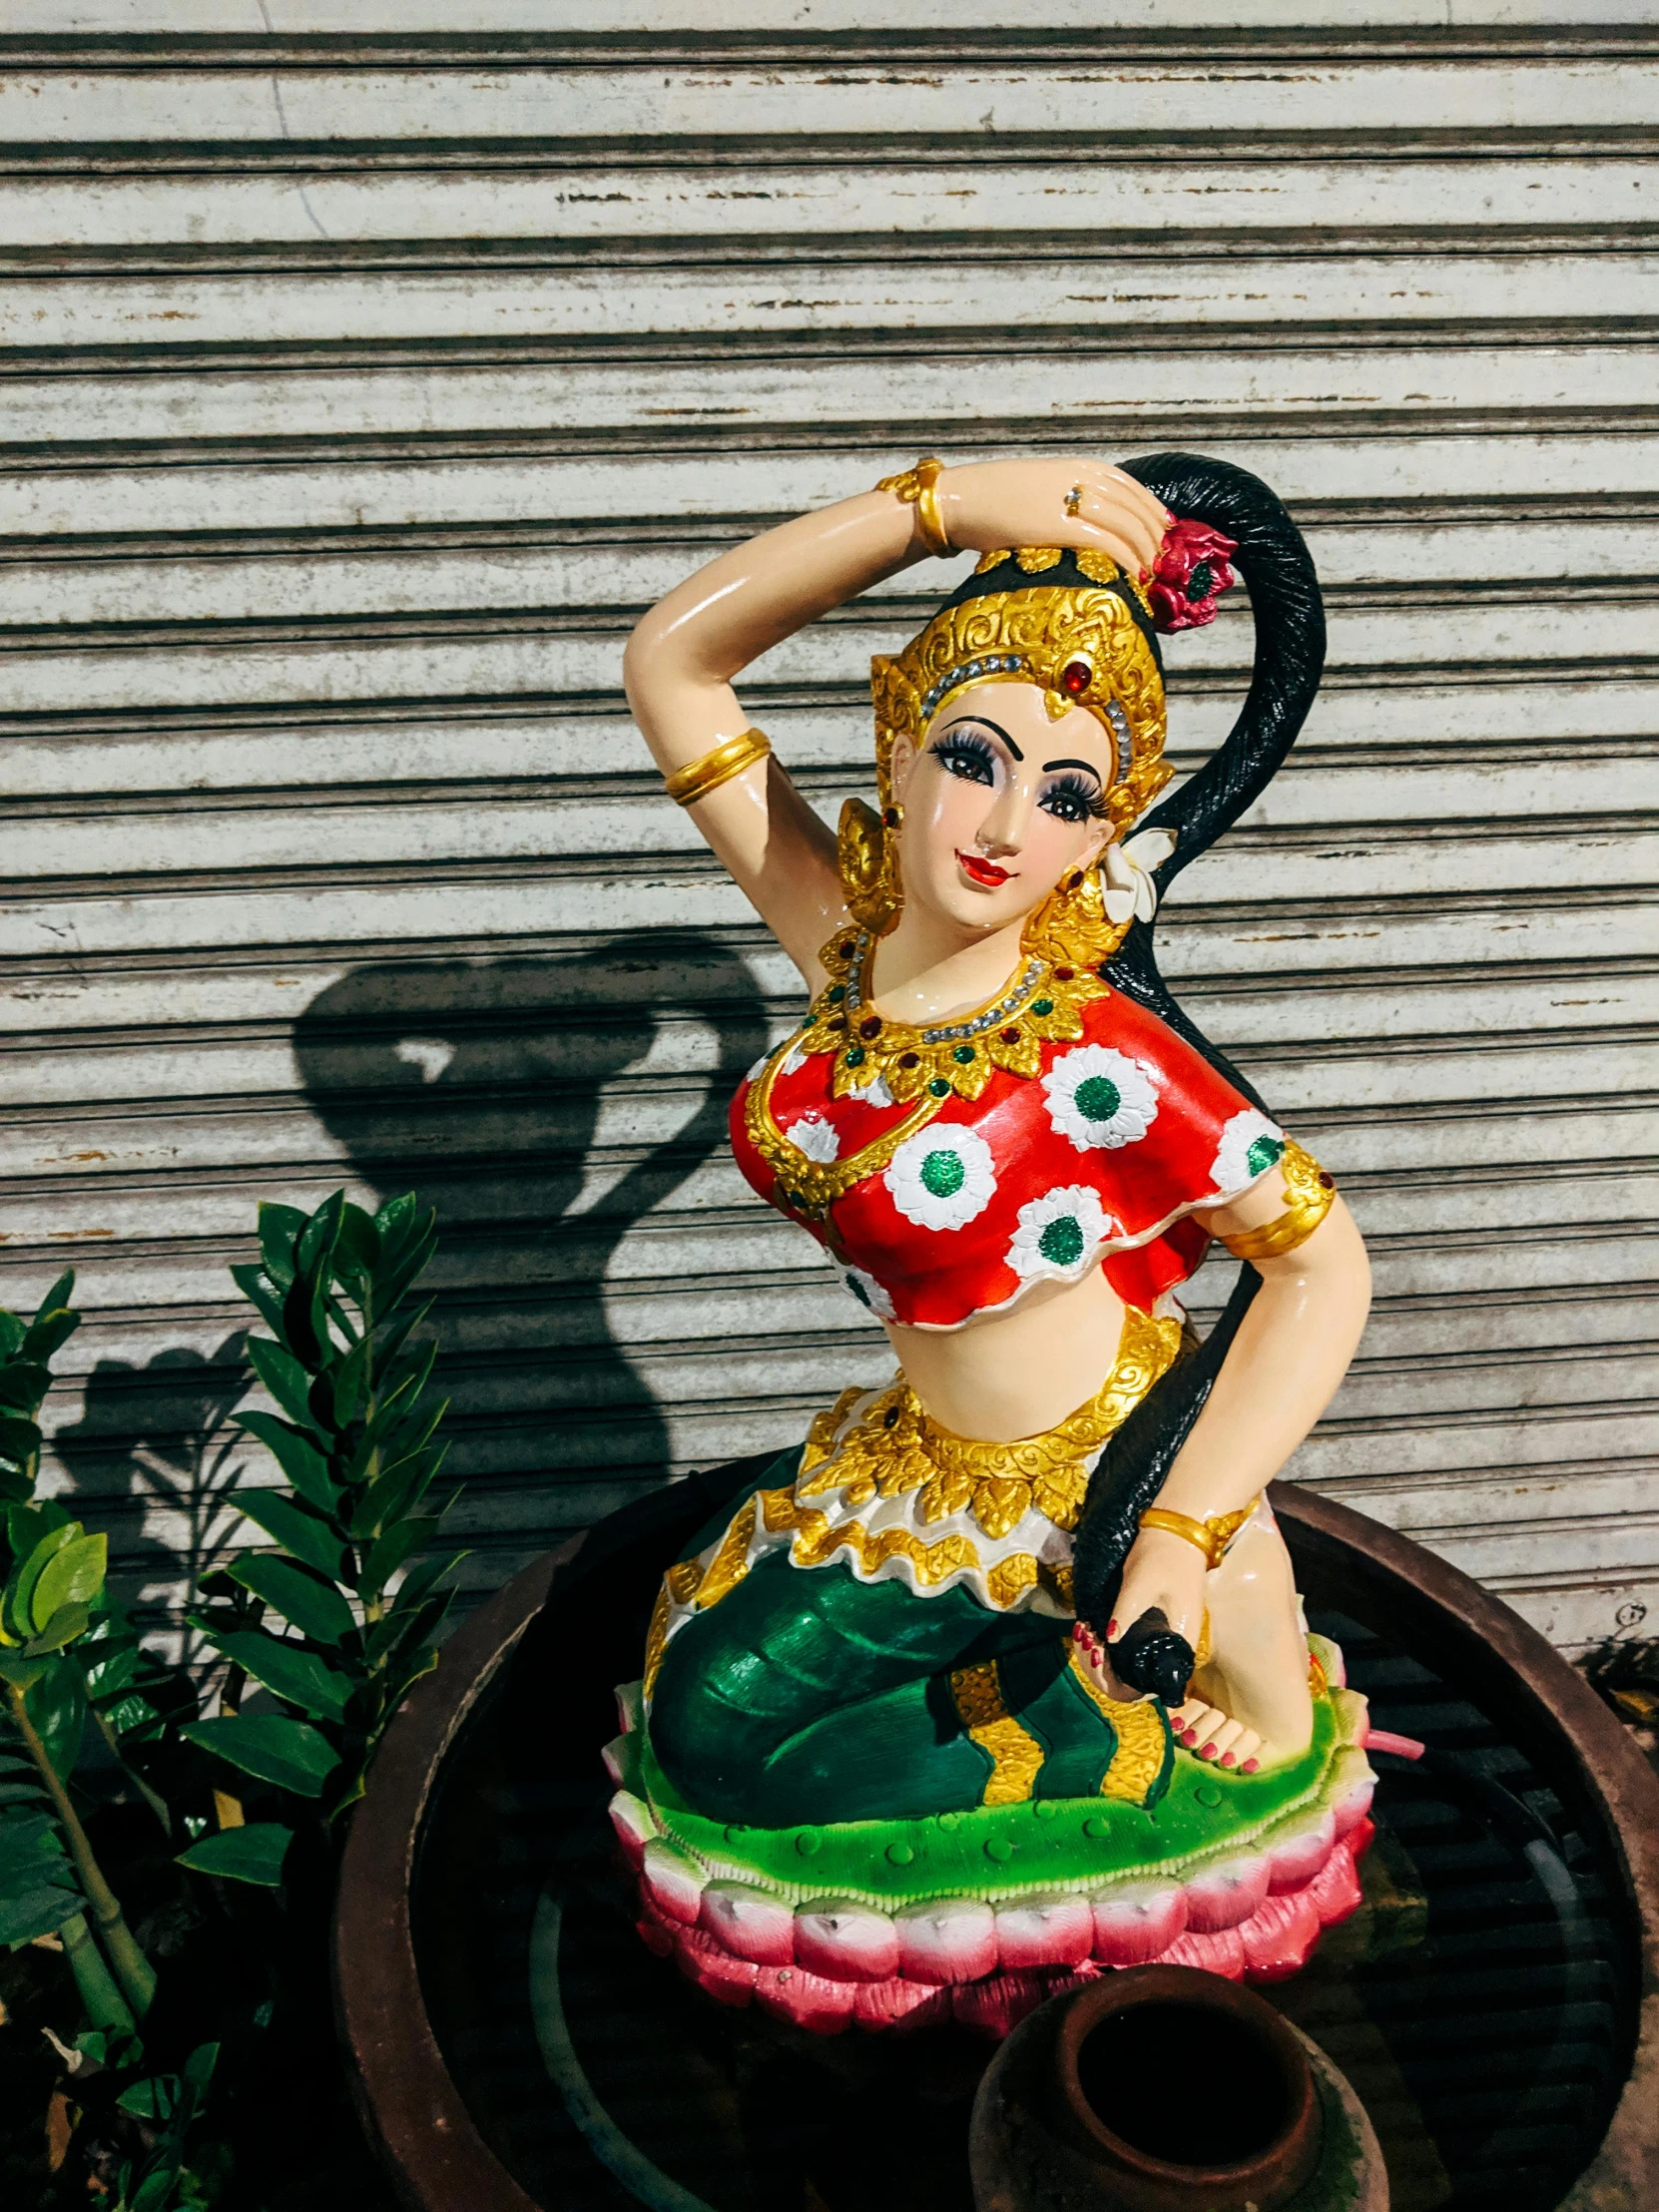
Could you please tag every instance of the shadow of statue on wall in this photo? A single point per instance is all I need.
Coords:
(544, 1104)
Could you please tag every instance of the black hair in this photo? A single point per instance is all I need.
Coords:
(1275, 566)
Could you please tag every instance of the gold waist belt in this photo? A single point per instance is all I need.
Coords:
(895, 1447)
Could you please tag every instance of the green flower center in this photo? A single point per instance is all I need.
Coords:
(943, 1174)
(1061, 1243)
(1263, 1153)
(1098, 1098)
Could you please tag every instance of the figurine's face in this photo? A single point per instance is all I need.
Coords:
(999, 804)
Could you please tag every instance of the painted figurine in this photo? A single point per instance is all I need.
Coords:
(1002, 1676)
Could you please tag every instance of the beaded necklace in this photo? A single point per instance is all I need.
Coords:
(905, 1065)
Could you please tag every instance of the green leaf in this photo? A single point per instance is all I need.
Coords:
(26, 1524)
(421, 1577)
(22, 1673)
(358, 1250)
(198, 2066)
(409, 1627)
(13, 1330)
(300, 1676)
(72, 1575)
(283, 1377)
(349, 1378)
(301, 1596)
(289, 1752)
(390, 1340)
(23, 1384)
(17, 1608)
(153, 2100)
(56, 1703)
(15, 1485)
(63, 1628)
(296, 1456)
(257, 1288)
(19, 1443)
(313, 1246)
(48, 1332)
(388, 1553)
(279, 1225)
(298, 1528)
(38, 1889)
(251, 1854)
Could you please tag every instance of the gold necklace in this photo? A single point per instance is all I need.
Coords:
(920, 1067)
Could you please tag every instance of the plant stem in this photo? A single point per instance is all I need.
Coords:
(105, 2007)
(131, 1969)
(155, 1802)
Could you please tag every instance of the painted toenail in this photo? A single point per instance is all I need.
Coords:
(1229, 1758)
(1250, 1765)
(1208, 1752)
(1111, 1628)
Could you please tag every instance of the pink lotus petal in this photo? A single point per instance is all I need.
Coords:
(748, 1921)
(675, 1882)
(1353, 1786)
(612, 1755)
(1278, 1937)
(1333, 1892)
(999, 2002)
(1137, 1921)
(1360, 1837)
(811, 2000)
(630, 1699)
(656, 1934)
(1296, 1854)
(711, 1966)
(634, 1824)
(900, 2003)
(1044, 1932)
(846, 1941)
(946, 1940)
(1222, 1896)
(1223, 1953)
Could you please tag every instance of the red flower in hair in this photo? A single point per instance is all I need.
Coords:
(1191, 575)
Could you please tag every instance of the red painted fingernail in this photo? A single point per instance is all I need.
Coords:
(1250, 1765)
(1229, 1758)
(1208, 1752)
(1111, 1628)
(1189, 1736)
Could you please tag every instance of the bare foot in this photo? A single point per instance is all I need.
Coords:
(1206, 1732)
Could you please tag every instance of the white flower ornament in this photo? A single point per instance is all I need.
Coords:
(1101, 1098)
(1130, 894)
(943, 1178)
(1059, 1234)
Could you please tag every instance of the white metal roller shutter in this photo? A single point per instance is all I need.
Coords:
(362, 376)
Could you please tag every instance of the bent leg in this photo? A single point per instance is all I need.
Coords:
(1257, 1672)
(805, 1695)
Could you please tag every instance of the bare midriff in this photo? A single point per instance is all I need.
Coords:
(1017, 1372)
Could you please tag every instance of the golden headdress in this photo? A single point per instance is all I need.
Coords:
(1077, 626)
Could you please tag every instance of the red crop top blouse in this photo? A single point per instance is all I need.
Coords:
(947, 1170)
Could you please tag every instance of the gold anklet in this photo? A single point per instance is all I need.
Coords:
(1310, 1193)
(919, 487)
(1211, 1536)
(716, 766)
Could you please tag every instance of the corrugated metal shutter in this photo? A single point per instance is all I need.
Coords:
(364, 376)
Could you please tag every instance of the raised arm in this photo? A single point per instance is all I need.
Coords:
(682, 658)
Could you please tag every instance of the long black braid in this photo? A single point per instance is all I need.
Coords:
(1290, 654)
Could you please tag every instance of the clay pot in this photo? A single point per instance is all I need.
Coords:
(1157, 2089)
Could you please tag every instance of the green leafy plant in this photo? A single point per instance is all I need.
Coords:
(50, 1876)
(355, 1436)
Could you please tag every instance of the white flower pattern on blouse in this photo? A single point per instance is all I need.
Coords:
(1249, 1145)
(942, 1177)
(868, 1292)
(1060, 1234)
(814, 1137)
(1101, 1099)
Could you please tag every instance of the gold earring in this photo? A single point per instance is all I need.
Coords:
(866, 855)
(1071, 928)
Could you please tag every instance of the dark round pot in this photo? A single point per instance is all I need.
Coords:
(1161, 2089)
(448, 1852)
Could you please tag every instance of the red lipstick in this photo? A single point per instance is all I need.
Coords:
(984, 871)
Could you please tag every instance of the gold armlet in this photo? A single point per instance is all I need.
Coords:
(1211, 1536)
(1312, 1194)
(717, 765)
(919, 487)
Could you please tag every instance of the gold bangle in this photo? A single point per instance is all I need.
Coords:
(919, 487)
(1211, 1536)
(716, 766)
(1311, 1192)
